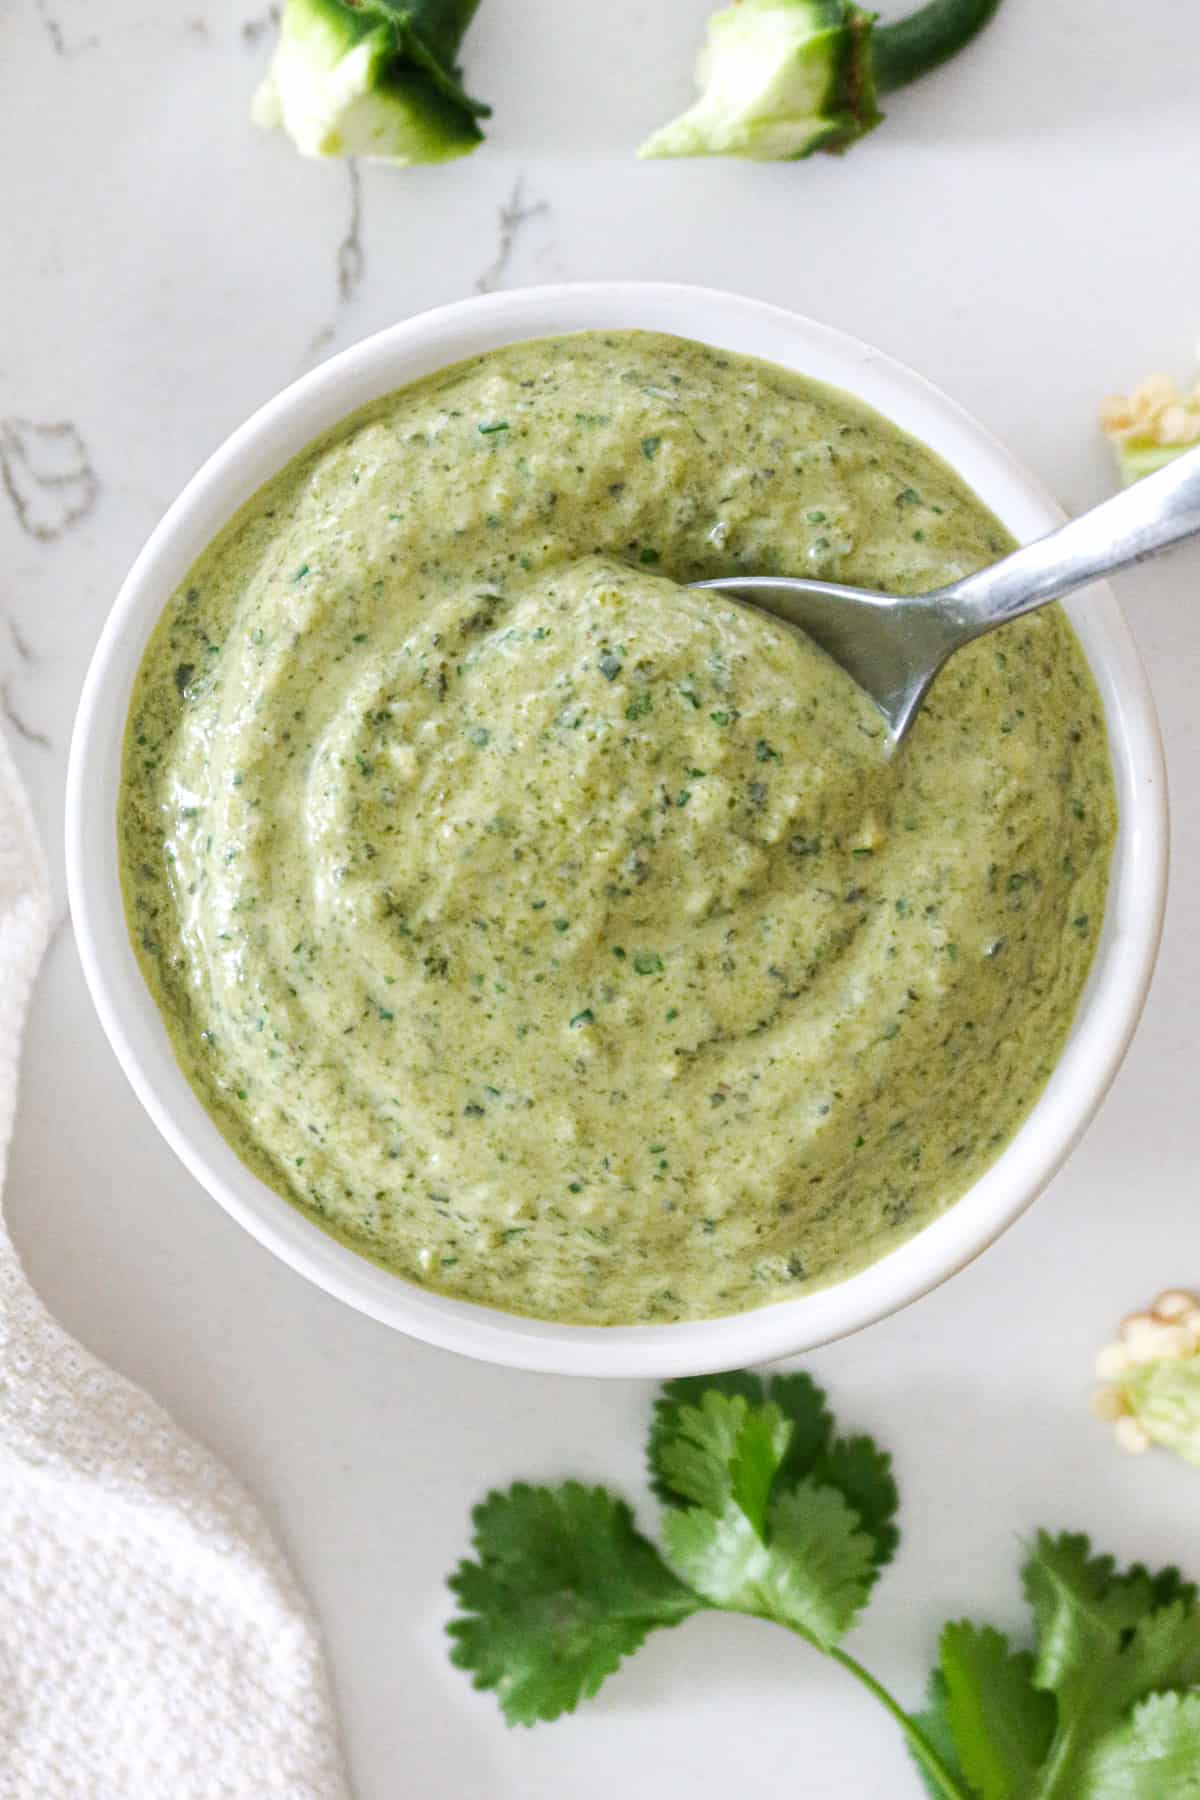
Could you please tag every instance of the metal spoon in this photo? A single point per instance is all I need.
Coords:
(893, 645)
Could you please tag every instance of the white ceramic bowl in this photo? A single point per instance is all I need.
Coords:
(1107, 1014)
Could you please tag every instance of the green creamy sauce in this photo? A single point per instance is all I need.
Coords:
(562, 939)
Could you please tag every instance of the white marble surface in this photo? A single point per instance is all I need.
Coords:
(1022, 230)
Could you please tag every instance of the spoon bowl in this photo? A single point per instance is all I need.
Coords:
(893, 645)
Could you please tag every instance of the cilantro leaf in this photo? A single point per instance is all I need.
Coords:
(830, 1560)
(724, 1449)
(1156, 1753)
(1106, 1640)
(853, 1466)
(761, 1445)
(564, 1587)
(862, 1472)
(1126, 1632)
(1000, 1723)
(797, 1398)
(1081, 1606)
(812, 1571)
(802, 1404)
(934, 1726)
(765, 1512)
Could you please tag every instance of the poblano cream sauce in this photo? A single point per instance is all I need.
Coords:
(565, 940)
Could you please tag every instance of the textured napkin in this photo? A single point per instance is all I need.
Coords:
(153, 1644)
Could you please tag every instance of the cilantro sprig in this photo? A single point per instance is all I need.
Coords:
(767, 1511)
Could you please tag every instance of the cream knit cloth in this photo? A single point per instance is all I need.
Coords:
(153, 1644)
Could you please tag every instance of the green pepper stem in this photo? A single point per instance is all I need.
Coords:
(927, 38)
(442, 23)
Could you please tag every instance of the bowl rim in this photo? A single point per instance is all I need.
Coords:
(1108, 1010)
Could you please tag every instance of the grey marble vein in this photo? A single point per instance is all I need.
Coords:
(64, 45)
(21, 644)
(254, 30)
(350, 263)
(47, 474)
(58, 932)
(351, 256)
(515, 214)
(22, 728)
(316, 345)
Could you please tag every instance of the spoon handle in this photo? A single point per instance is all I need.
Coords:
(1158, 511)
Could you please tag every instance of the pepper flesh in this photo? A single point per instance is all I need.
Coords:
(1151, 426)
(372, 78)
(1151, 1376)
(781, 79)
